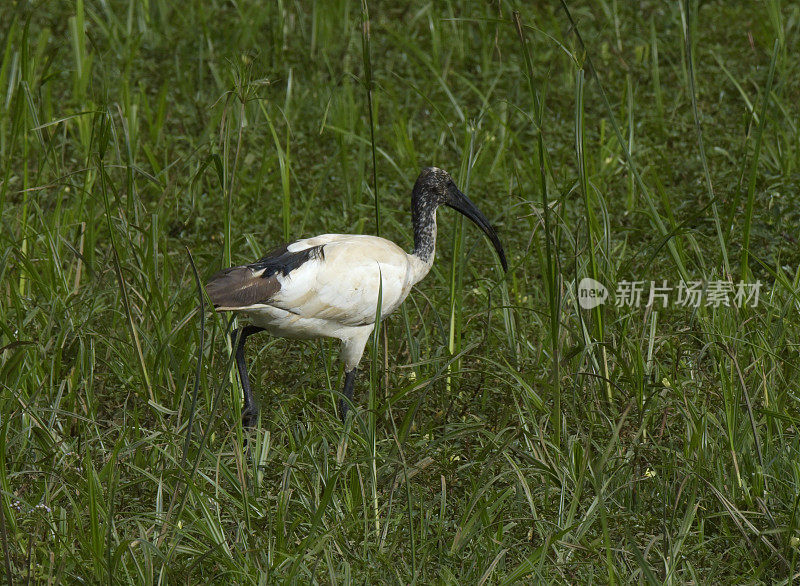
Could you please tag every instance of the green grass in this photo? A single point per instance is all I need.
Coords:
(503, 435)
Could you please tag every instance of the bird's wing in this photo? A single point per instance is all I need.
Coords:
(342, 284)
(257, 283)
(334, 277)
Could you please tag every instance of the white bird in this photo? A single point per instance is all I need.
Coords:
(328, 286)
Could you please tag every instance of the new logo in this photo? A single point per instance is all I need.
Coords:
(591, 293)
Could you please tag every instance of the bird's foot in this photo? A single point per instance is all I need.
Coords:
(249, 417)
(346, 400)
(343, 409)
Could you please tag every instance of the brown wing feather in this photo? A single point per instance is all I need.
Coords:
(240, 287)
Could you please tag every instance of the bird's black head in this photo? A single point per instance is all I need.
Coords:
(435, 187)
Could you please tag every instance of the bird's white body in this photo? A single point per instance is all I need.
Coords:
(336, 294)
(335, 285)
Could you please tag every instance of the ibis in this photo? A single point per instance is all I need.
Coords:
(330, 285)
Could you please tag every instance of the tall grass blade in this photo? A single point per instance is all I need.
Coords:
(132, 330)
(592, 228)
(551, 264)
(201, 344)
(372, 409)
(653, 212)
(366, 58)
(751, 185)
(689, 25)
(284, 162)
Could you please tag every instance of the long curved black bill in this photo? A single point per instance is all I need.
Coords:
(462, 203)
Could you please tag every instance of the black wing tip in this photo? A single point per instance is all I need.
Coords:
(282, 261)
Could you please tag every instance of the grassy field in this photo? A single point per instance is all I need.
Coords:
(504, 435)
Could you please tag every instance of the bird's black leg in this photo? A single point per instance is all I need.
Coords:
(344, 405)
(250, 408)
